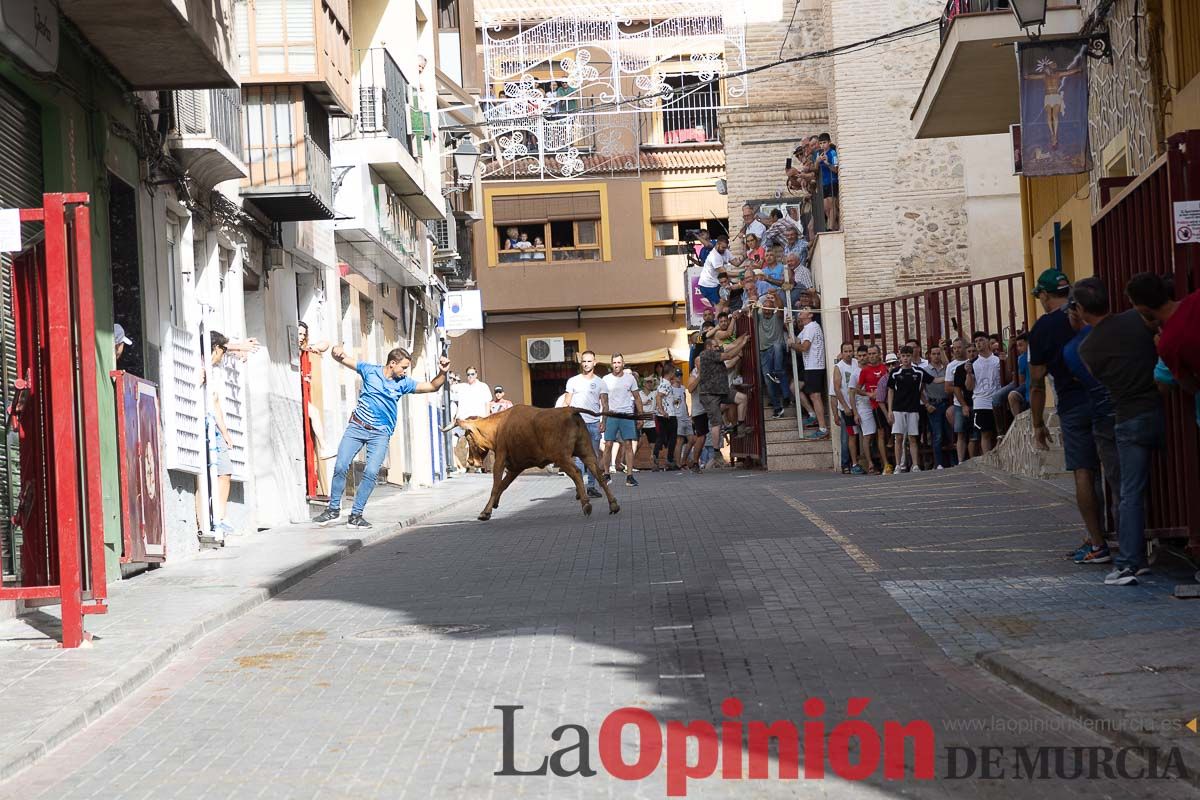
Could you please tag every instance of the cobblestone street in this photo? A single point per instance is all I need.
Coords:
(771, 588)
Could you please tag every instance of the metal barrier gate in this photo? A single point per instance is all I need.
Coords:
(54, 411)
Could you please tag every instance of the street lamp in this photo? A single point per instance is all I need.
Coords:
(1029, 13)
(466, 158)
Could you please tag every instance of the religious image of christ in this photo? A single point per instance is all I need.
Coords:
(1053, 81)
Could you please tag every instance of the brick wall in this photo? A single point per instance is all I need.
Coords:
(781, 104)
(903, 200)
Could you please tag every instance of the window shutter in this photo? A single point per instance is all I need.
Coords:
(233, 405)
(191, 111)
(183, 402)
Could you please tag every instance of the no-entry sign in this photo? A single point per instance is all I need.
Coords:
(1187, 222)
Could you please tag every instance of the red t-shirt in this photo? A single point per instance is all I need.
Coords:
(1179, 345)
(869, 378)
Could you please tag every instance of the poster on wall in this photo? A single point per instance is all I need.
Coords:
(1054, 107)
(462, 311)
(696, 303)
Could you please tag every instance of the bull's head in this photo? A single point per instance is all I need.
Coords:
(480, 438)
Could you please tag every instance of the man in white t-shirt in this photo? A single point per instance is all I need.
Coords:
(751, 223)
(473, 397)
(623, 398)
(587, 391)
(710, 275)
(845, 378)
(811, 345)
(983, 379)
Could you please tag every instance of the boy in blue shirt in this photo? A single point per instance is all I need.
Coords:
(371, 425)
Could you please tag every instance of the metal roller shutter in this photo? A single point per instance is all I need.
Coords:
(20, 187)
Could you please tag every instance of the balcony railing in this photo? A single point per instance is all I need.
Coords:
(382, 97)
(212, 114)
(318, 172)
(689, 119)
(956, 8)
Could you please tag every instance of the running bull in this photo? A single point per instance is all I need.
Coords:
(524, 437)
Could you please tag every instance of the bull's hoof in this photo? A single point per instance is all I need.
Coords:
(485, 516)
(587, 509)
(613, 508)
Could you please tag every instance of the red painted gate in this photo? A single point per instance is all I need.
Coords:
(1134, 232)
(55, 413)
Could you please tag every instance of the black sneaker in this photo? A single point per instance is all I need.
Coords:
(630, 481)
(592, 491)
(327, 516)
(357, 521)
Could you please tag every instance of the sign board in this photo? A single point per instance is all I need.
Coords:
(29, 28)
(696, 304)
(462, 310)
(10, 230)
(1187, 222)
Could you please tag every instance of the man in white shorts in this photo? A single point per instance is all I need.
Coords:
(906, 397)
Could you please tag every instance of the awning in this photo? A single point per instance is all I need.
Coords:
(542, 208)
(647, 356)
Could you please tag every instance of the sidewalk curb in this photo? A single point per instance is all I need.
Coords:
(1054, 694)
(66, 723)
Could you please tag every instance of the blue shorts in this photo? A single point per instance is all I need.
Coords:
(711, 293)
(620, 430)
(1079, 442)
(961, 424)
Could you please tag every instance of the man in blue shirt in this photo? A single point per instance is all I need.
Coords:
(1049, 336)
(371, 425)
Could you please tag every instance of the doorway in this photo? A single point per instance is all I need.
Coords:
(126, 272)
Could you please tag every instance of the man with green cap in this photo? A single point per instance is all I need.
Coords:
(1050, 334)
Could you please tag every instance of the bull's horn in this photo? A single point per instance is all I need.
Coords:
(451, 426)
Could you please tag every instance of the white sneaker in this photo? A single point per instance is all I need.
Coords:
(939, 466)
(915, 469)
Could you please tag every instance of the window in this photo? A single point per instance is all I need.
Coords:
(689, 113)
(174, 273)
(561, 227)
(447, 14)
(676, 238)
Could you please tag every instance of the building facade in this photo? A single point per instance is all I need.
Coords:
(216, 155)
(607, 151)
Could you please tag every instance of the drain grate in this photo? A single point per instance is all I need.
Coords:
(415, 632)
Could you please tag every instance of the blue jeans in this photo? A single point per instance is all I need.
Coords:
(594, 432)
(846, 464)
(1137, 439)
(939, 431)
(353, 440)
(772, 363)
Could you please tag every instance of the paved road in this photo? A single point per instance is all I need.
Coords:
(769, 588)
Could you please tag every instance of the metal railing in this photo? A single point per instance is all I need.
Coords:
(382, 97)
(750, 445)
(317, 172)
(1135, 233)
(211, 113)
(688, 118)
(956, 8)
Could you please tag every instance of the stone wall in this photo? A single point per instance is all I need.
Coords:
(781, 104)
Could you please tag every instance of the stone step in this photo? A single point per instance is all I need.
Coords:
(814, 463)
(799, 447)
(791, 434)
(783, 424)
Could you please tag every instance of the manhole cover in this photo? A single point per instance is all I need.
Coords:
(415, 631)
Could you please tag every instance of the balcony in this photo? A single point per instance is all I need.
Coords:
(300, 41)
(382, 133)
(286, 138)
(161, 44)
(207, 135)
(377, 232)
(972, 87)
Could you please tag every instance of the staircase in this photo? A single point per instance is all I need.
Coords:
(787, 451)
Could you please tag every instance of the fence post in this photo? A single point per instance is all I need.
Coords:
(933, 317)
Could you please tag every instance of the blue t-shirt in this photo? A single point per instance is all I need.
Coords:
(377, 402)
(828, 176)
(1163, 375)
(1101, 400)
(1049, 336)
(1023, 368)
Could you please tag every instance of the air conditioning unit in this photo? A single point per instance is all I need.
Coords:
(544, 351)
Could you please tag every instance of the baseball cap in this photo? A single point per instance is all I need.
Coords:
(1052, 280)
(891, 358)
(119, 336)
(497, 388)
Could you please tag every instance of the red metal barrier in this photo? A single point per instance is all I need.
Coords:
(1135, 233)
(751, 445)
(56, 416)
(993, 305)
